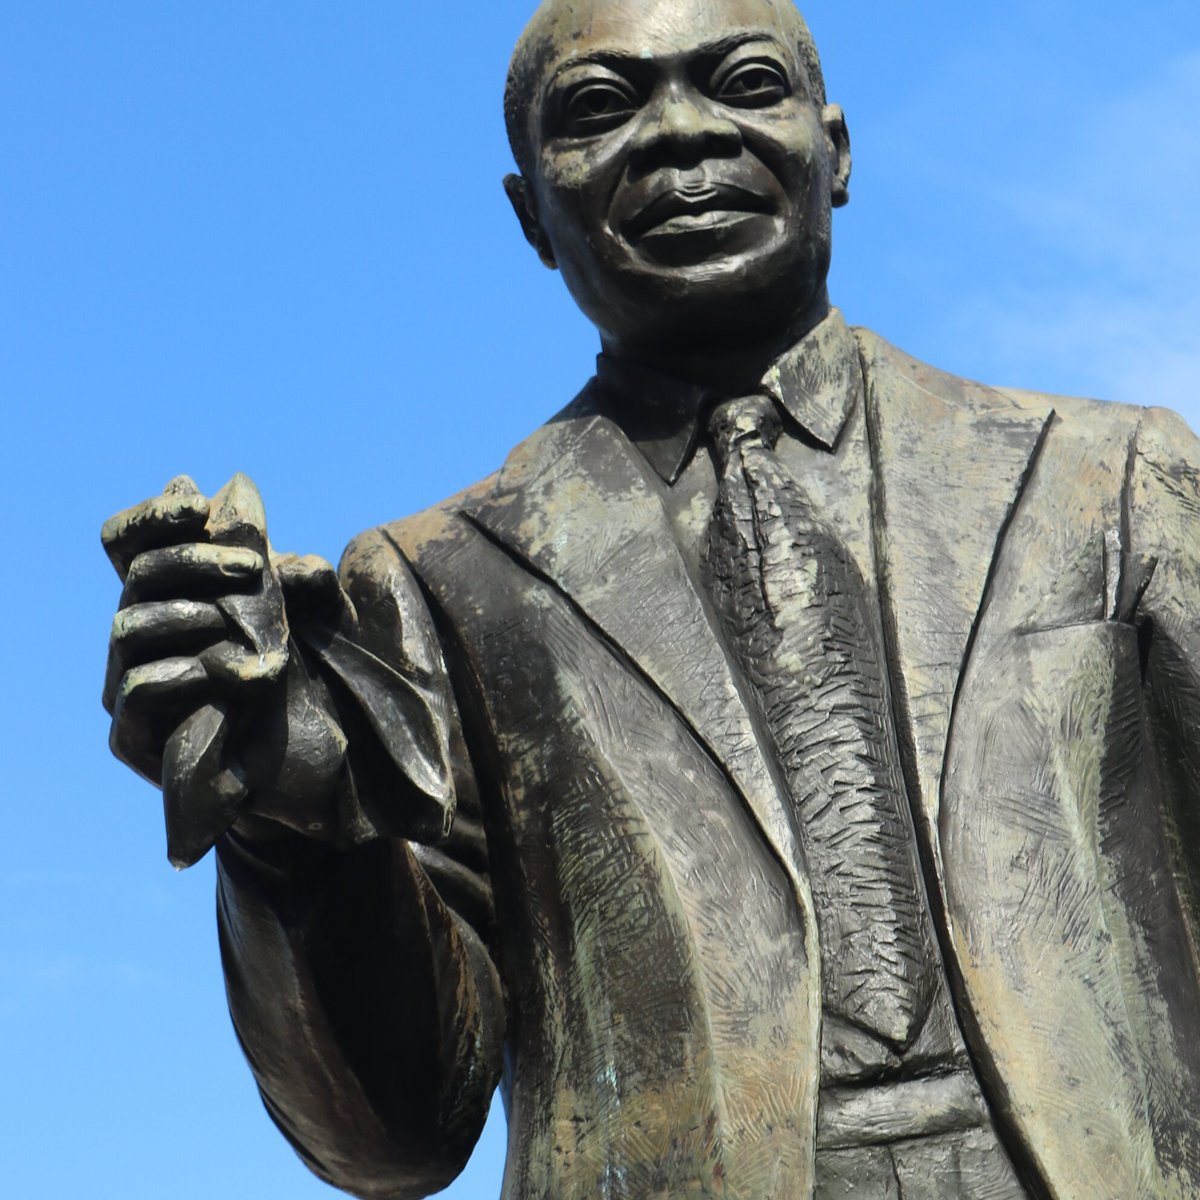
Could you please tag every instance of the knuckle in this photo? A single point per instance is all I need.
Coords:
(128, 623)
(120, 627)
(149, 563)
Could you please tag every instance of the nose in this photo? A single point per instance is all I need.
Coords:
(681, 129)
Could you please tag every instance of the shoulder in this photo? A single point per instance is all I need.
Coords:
(1166, 473)
(892, 375)
(380, 560)
(1167, 437)
(445, 529)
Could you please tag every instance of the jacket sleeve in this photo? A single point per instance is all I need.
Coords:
(360, 979)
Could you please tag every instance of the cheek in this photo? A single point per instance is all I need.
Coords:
(792, 151)
(575, 204)
(586, 175)
(567, 175)
(587, 170)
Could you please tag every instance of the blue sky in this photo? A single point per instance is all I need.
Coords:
(270, 237)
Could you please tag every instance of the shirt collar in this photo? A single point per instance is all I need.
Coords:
(815, 382)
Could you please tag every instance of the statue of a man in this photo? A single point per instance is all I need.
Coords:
(780, 778)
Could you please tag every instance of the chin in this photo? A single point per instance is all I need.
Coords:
(727, 299)
(748, 281)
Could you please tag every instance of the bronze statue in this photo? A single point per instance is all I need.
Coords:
(778, 778)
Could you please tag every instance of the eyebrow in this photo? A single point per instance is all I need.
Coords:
(714, 49)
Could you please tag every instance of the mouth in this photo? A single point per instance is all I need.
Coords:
(683, 211)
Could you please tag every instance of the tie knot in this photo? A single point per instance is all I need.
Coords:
(748, 420)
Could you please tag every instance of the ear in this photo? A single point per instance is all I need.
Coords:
(520, 196)
(834, 122)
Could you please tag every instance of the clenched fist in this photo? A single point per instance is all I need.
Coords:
(208, 699)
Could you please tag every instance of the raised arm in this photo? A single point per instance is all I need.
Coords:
(356, 956)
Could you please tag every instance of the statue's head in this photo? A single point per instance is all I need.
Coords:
(679, 165)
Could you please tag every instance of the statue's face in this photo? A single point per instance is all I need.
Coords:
(683, 176)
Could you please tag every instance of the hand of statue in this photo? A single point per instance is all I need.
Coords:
(207, 702)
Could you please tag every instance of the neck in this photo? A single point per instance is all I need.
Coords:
(729, 367)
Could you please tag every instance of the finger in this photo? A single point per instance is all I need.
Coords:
(259, 617)
(190, 570)
(177, 515)
(149, 703)
(311, 574)
(145, 631)
(231, 665)
(167, 629)
(312, 588)
(237, 516)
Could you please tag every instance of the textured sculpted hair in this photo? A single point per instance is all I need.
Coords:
(525, 69)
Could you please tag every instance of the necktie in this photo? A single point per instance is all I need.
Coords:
(797, 612)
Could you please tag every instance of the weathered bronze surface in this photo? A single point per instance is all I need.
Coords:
(780, 778)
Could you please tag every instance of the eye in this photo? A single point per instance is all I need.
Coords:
(753, 85)
(597, 107)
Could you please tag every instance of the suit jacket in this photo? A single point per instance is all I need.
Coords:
(621, 923)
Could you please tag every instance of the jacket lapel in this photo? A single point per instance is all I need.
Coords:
(951, 460)
(575, 503)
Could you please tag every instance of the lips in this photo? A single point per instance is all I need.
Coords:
(686, 207)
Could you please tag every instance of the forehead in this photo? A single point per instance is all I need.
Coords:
(564, 29)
